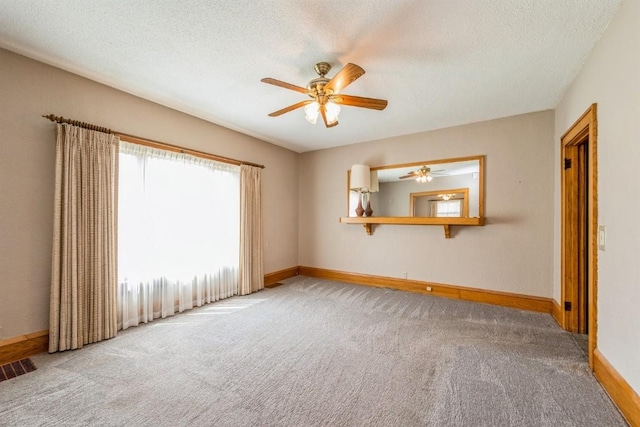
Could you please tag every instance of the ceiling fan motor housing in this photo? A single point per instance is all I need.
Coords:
(316, 86)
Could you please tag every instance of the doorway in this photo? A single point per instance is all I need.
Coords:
(579, 227)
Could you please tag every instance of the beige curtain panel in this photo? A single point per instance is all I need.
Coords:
(84, 264)
(251, 274)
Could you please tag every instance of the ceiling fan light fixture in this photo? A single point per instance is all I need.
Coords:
(311, 112)
(332, 111)
(422, 178)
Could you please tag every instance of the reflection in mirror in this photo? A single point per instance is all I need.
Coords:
(452, 203)
(450, 188)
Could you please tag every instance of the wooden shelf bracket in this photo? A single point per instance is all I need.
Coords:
(367, 228)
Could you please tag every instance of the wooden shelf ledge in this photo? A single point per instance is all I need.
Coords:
(367, 222)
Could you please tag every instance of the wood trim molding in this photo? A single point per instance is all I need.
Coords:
(619, 390)
(276, 276)
(22, 346)
(556, 312)
(523, 302)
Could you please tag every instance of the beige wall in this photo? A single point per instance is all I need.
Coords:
(512, 253)
(611, 78)
(29, 89)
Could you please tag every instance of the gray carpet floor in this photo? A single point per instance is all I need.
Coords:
(320, 353)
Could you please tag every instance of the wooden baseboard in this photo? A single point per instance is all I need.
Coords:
(619, 390)
(276, 276)
(17, 348)
(524, 302)
(556, 312)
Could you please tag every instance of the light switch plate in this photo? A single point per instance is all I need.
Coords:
(602, 237)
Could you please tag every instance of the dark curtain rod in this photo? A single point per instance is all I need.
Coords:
(157, 144)
(59, 119)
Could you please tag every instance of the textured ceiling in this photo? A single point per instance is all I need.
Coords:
(439, 63)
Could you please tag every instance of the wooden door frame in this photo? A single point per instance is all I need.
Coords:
(584, 129)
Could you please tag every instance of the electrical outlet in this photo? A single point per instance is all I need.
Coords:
(429, 289)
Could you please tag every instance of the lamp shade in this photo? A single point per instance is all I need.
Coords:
(360, 178)
(375, 184)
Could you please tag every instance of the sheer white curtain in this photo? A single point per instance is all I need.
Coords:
(178, 233)
(449, 208)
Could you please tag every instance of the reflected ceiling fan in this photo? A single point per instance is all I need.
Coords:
(325, 94)
(423, 174)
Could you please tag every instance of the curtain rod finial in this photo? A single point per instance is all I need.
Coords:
(54, 118)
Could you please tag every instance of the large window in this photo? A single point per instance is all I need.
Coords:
(448, 208)
(178, 232)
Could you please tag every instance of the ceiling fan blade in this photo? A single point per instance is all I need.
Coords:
(290, 108)
(406, 176)
(285, 85)
(323, 113)
(358, 101)
(344, 78)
